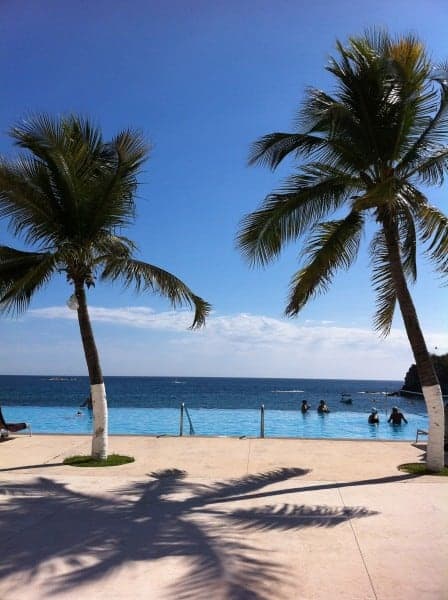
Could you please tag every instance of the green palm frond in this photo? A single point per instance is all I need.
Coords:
(386, 194)
(114, 200)
(107, 245)
(332, 246)
(271, 149)
(28, 200)
(432, 169)
(67, 156)
(21, 275)
(431, 129)
(383, 285)
(143, 276)
(283, 217)
(433, 226)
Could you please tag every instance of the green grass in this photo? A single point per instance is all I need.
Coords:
(421, 469)
(87, 461)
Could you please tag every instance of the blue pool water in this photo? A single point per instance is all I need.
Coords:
(215, 422)
(217, 406)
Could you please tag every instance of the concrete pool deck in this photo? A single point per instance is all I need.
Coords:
(221, 518)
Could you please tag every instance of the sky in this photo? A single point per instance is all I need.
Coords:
(202, 80)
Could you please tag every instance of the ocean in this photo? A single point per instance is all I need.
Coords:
(204, 392)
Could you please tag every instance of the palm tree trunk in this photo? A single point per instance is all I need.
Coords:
(97, 387)
(430, 384)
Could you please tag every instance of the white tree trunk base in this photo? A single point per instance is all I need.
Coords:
(435, 454)
(100, 425)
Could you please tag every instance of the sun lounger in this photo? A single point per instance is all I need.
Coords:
(6, 428)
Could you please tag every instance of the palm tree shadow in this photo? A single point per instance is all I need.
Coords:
(165, 516)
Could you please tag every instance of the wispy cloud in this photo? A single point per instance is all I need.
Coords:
(238, 328)
(245, 344)
(140, 317)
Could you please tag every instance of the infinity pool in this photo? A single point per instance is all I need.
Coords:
(218, 422)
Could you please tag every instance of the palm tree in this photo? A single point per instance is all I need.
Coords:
(365, 149)
(66, 196)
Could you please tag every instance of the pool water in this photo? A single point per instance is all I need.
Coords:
(218, 422)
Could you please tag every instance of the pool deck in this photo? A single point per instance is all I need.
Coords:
(221, 518)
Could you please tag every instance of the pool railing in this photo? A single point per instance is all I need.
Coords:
(184, 411)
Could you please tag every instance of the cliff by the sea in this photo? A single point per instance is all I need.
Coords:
(412, 381)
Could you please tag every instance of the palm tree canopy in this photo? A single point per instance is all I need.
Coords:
(364, 149)
(66, 195)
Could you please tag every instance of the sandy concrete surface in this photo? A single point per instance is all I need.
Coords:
(219, 518)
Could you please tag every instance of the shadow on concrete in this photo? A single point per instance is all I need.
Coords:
(6, 439)
(165, 516)
(26, 467)
(326, 486)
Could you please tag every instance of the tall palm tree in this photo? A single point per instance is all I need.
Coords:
(365, 149)
(66, 196)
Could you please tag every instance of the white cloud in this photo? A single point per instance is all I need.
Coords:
(133, 316)
(245, 345)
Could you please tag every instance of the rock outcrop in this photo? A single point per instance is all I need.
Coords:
(412, 381)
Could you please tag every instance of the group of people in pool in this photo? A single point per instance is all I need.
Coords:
(321, 409)
(396, 417)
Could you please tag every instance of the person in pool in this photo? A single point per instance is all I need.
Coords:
(305, 406)
(373, 417)
(322, 408)
(396, 417)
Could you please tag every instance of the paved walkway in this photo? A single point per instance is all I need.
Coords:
(217, 518)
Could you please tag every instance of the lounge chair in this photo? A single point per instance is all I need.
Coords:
(6, 428)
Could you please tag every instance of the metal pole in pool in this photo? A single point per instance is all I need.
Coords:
(181, 425)
(262, 421)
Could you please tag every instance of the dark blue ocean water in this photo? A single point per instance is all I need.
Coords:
(205, 392)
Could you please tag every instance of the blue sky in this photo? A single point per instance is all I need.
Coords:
(202, 80)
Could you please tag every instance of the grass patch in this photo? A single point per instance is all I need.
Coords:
(87, 461)
(421, 469)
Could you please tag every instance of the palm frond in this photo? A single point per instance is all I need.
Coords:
(283, 217)
(21, 275)
(386, 297)
(28, 200)
(60, 146)
(432, 169)
(271, 149)
(332, 246)
(112, 202)
(143, 276)
(433, 225)
(431, 128)
(107, 245)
